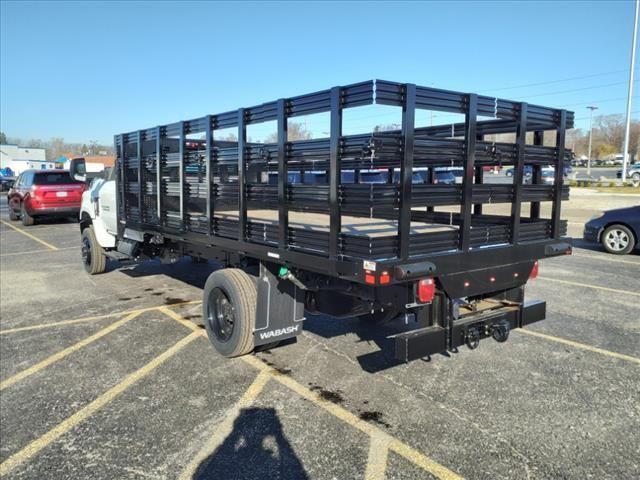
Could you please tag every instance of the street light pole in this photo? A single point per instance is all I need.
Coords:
(625, 152)
(592, 108)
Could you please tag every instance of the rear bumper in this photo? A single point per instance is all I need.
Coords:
(431, 340)
(52, 211)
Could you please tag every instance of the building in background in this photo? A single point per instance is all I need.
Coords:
(95, 163)
(19, 159)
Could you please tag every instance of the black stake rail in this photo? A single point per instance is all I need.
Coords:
(518, 175)
(174, 185)
(467, 180)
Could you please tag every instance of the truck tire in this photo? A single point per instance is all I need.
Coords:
(229, 311)
(94, 259)
(618, 239)
(27, 220)
(13, 215)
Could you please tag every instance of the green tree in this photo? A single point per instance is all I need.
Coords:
(3, 138)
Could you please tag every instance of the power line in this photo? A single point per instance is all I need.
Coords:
(575, 90)
(557, 81)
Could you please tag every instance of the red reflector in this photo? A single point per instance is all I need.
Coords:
(426, 290)
(534, 271)
(369, 278)
(385, 278)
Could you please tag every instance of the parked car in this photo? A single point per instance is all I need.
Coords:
(633, 174)
(48, 193)
(6, 183)
(458, 173)
(528, 171)
(617, 230)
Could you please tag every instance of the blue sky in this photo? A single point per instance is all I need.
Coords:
(87, 70)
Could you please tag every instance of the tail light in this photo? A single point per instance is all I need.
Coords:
(426, 290)
(534, 271)
(369, 277)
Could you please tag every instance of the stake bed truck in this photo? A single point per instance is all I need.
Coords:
(302, 226)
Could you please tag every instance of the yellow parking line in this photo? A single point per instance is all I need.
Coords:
(224, 429)
(30, 252)
(63, 353)
(582, 346)
(346, 416)
(34, 447)
(27, 234)
(587, 285)
(378, 456)
(349, 418)
(179, 318)
(91, 319)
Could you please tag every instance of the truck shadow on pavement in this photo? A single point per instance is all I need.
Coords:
(256, 449)
(184, 270)
(376, 361)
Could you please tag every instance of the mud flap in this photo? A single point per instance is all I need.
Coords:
(280, 311)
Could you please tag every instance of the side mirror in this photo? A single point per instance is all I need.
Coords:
(78, 169)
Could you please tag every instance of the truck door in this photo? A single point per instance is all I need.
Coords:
(107, 206)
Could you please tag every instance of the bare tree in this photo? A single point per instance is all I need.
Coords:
(295, 131)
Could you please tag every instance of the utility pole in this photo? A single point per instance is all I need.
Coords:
(625, 152)
(592, 108)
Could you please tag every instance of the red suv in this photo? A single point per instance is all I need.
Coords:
(44, 193)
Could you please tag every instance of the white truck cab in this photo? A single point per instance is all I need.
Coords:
(98, 216)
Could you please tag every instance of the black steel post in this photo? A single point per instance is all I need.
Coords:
(120, 181)
(159, 174)
(518, 173)
(335, 225)
(479, 180)
(208, 134)
(181, 175)
(467, 182)
(242, 176)
(406, 169)
(283, 207)
(139, 155)
(559, 175)
(536, 173)
(430, 180)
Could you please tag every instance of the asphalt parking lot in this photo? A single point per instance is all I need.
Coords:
(109, 377)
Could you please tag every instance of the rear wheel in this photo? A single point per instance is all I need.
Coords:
(13, 215)
(229, 311)
(635, 180)
(93, 257)
(618, 239)
(27, 220)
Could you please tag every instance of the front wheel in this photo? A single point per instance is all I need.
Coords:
(618, 239)
(93, 257)
(635, 180)
(229, 311)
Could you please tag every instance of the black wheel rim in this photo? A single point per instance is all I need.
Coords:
(221, 315)
(86, 252)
